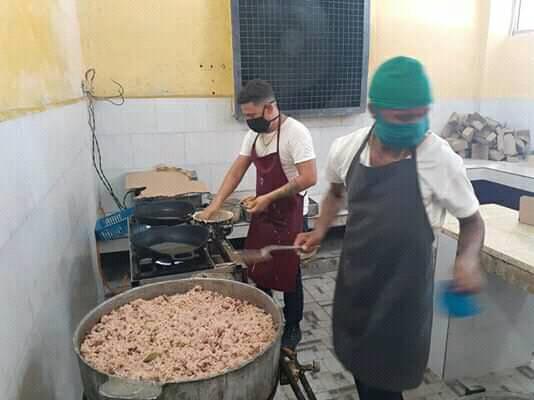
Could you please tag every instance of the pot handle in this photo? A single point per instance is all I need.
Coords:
(123, 389)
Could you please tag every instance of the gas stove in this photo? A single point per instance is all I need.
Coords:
(217, 259)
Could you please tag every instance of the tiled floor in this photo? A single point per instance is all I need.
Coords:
(335, 383)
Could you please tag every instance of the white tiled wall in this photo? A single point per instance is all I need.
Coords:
(48, 208)
(201, 134)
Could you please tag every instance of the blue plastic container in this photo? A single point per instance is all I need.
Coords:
(458, 305)
(113, 226)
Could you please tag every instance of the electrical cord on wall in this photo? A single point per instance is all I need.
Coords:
(118, 100)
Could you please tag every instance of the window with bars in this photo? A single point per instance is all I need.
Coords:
(314, 52)
(523, 17)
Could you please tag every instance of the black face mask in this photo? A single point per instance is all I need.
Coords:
(260, 124)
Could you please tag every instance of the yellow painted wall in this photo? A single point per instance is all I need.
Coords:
(509, 65)
(159, 48)
(446, 35)
(183, 48)
(156, 48)
(40, 61)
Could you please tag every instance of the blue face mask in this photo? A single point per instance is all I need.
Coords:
(401, 136)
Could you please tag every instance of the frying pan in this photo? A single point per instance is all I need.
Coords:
(163, 212)
(165, 241)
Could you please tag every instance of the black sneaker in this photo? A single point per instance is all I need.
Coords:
(292, 336)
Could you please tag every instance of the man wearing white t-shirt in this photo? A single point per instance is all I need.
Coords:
(399, 179)
(281, 149)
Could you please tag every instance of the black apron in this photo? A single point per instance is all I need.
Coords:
(383, 299)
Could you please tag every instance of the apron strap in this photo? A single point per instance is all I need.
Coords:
(364, 143)
(253, 150)
(414, 154)
(278, 132)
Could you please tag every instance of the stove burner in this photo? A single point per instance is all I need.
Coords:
(218, 256)
(149, 267)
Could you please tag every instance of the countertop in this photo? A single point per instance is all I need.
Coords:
(508, 247)
(519, 175)
(522, 168)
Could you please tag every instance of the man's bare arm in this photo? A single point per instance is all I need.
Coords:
(467, 269)
(306, 178)
(330, 206)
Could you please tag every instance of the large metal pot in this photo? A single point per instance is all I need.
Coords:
(256, 379)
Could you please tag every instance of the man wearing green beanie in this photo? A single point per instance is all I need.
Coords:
(400, 179)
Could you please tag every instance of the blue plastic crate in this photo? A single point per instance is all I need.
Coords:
(113, 226)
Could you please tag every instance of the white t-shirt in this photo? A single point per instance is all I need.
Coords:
(296, 146)
(442, 176)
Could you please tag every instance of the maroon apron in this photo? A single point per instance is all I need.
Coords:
(279, 224)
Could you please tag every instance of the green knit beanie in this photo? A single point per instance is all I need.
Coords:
(400, 83)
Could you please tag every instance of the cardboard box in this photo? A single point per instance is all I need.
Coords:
(526, 210)
(164, 182)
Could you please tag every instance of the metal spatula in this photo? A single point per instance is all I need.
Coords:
(264, 254)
